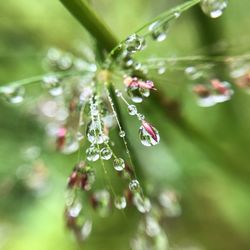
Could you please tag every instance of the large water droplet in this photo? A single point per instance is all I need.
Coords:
(92, 153)
(213, 8)
(120, 202)
(94, 133)
(52, 83)
(149, 136)
(13, 94)
(135, 43)
(159, 30)
(135, 94)
(119, 164)
(106, 153)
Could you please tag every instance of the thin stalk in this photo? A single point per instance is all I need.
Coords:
(83, 12)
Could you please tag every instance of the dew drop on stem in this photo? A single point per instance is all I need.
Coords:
(214, 8)
(120, 202)
(13, 94)
(119, 164)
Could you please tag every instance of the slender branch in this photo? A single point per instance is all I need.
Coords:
(81, 10)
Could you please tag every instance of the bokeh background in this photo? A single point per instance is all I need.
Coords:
(210, 172)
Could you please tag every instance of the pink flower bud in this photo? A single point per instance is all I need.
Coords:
(150, 130)
(220, 87)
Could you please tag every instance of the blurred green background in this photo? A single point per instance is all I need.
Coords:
(213, 183)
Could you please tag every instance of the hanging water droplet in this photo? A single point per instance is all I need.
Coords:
(92, 153)
(159, 30)
(132, 110)
(13, 94)
(52, 83)
(122, 133)
(75, 209)
(134, 186)
(106, 153)
(134, 94)
(213, 8)
(120, 202)
(148, 135)
(118, 93)
(222, 90)
(144, 92)
(65, 62)
(142, 204)
(119, 164)
(135, 43)
(94, 133)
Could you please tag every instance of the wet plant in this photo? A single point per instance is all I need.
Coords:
(84, 105)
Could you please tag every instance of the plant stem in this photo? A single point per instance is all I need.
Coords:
(83, 12)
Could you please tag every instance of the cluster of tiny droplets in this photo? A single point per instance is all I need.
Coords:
(69, 123)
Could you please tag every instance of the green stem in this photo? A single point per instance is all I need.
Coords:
(83, 12)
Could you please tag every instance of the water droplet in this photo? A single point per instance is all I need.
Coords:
(118, 93)
(135, 43)
(101, 201)
(92, 153)
(52, 83)
(148, 135)
(106, 153)
(134, 186)
(120, 202)
(94, 133)
(13, 94)
(75, 209)
(119, 164)
(132, 110)
(122, 133)
(134, 94)
(222, 90)
(142, 204)
(144, 92)
(159, 30)
(65, 62)
(213, 8)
